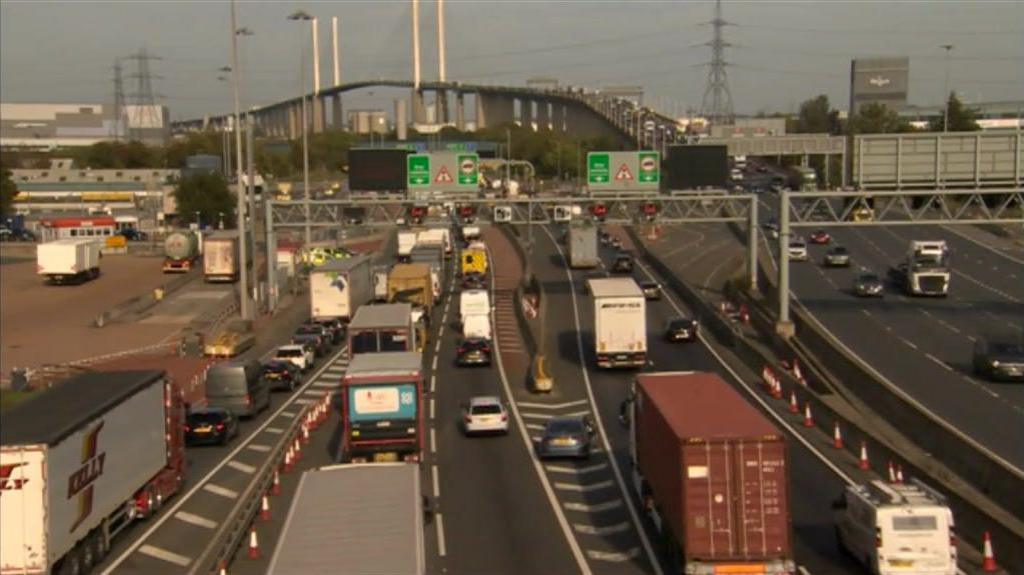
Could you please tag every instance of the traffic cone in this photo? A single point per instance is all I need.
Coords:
(892, 472)
(862, 461)
(899, 474)
(808, 420)
(288, 460)
(837, 436)
(297, 455)
(305, 434)
(988, 564)
(275, 488)
(793, 407)
(265, 509)
(222, 568)
(254, 545)
(766, 375)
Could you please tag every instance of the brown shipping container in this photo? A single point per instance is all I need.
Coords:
(715, 469)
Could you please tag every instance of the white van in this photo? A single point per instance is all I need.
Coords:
(897, 529)
(474, 302)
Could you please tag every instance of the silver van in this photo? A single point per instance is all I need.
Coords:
(237, 386)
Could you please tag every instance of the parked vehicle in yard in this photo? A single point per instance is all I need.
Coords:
(701, 456)
(210, 425)
(281, 375)
(220, 257)
(484, 415)
(72, 260)
(566, 437)
(79, 468)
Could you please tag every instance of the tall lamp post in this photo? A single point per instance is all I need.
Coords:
(243, 247)
(300, 16)
(945, 94)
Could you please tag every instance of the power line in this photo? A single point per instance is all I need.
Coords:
(877, 31)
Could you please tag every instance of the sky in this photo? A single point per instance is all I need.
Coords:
(781, 53)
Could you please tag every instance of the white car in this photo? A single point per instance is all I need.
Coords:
(798, 250)
(484, 415)
(302, 356)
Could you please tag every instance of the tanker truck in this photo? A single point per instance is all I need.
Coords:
(181, 249)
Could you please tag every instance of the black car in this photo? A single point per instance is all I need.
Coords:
(334, 326)
(473, 351)
(210, 425)
(566, 437)
(681, 329)
(652, 290)
(281, 375)
(315, 336)
(133, 235)
(623, 264)
(474, 281)
(867, 285)
(999, 360)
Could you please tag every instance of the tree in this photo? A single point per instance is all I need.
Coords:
(875, 118)
(817, 117)
(8, 189)
(961, 118)
(207, 194)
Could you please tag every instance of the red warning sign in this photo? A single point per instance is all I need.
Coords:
(623, 173)
(443, 177)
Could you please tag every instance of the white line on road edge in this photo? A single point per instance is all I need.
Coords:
(165, 555)
(570, 539)
(602, 530)
(433, 440)
(433, 383)
(594, 507)
(433, 367)
(442, 549)
(637, 523)
(437, 483)
(200, 484)
(431, 408)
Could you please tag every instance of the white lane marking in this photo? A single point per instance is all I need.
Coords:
(274, 430)
(594, 507)
(577, 413)
(313, 392)
(434, 365)
(116, 562)
(437, 482)
(431, 408)
(287, 414)
(634, 516)
(433, 383)
(538, 415)
(243, 467)
(442, 548)
(195, 519)
(433, 440)
(613, 556)
(437, 347)
(165, 555)
(535, 426)
(222, 491)
(986, 286)
(584, 488)
(865, 312)
(563, 523)
(908, 342)
(938, 361)
(576, 470)
(440, 332)
(602, 530)
(325, 384)
(305, 401)
(553, 405)
(258, 447)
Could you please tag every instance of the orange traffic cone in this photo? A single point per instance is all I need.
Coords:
(863, 462)
(988, 564)
(808, 420)
(837, 436)
(892, 472)
(305, 434)
(254, 545)
(275, 488)
(222, 568)
(899, 474)
(776, 388)
(288, 460)
(265, 509)
(793, 407)
(296, 450)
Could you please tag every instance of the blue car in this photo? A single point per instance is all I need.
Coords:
(566, 437)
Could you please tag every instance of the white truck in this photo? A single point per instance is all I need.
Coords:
(220, 257)
(896, 529)
(339, 287)
(474, 301)
(436, 236)
(477, 326)
(69, 260)
(470, 233)
(926, 270)
(620, 322)
(82, 460)
(406, 242)
(358, 519)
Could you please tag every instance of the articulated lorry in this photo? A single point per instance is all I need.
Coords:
(381, 408)
(620, 322)
(583, 246)
(72, 260)
(339, 287)
(712, 474)
(80, 462)
(406, 242)
(220, 257)
(411, 283)
(432, 255)
(181, 250)
(324, 531)
(383, 327)
(926, 269)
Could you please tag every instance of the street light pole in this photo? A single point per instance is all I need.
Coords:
(302, 16)
(945, 114)
(243, 306)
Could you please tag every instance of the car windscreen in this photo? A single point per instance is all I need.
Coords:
(915, 523)
(293, 352)
(564, 427)
(680, 324)
(486, 409)
(839, 251)
(868, 279)
(226, 383)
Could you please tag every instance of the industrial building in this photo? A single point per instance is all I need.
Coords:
(43, 126)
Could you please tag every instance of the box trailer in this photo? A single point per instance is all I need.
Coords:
(381, 411)
(220, 257)
(380, 283)
(712, 474)
(413, 284)
(339, 287)
(406, 241)
(432, 256)
(80, 461)
(620, 322)
(583, 246)
(314, 540)
(382, 327)
(70, 260)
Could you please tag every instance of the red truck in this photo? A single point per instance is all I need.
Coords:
(81, 461)
(712, 474)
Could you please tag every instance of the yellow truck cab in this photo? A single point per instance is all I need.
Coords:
(474, 260)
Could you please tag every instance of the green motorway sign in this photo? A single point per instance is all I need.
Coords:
(418, 170)
(468, 169)
(598, 171)
(650, 167)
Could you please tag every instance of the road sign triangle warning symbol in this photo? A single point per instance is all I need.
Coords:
(623, 173)
(443, 177)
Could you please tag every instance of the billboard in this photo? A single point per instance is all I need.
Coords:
(882, 80)
(376, 170)
(697, 166)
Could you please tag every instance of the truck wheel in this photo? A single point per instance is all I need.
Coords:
(72, 563)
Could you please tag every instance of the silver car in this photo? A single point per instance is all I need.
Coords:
(484, 415)
(837, 256)
(798, 250)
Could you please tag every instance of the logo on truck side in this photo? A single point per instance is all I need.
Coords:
(8, 484)
(80, 483)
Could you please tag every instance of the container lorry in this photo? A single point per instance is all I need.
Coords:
(380, 283)
(583, 246)
(620, 322)
(712, 475)
(78, 467)
(70, 260)
(406, 241)
(433, 256)
(382, 327)
(381, 411)
(313, 539)
(220, 260)
(926, 269)
(181, 250)
(339, 287)
(411, 283)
